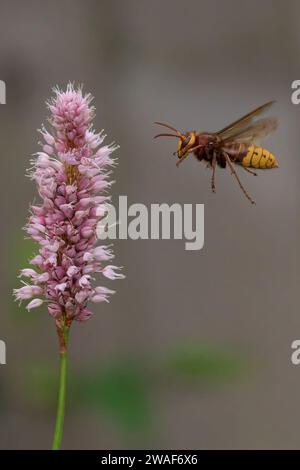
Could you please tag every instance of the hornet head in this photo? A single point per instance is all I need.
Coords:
(185, 144)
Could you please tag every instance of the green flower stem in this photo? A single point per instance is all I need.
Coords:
(59, 425)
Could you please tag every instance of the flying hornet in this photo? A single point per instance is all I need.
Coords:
(235, 144)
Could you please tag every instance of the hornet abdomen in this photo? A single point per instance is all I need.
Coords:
(251, 156)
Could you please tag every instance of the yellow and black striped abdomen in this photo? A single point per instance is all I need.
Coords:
(258, 157)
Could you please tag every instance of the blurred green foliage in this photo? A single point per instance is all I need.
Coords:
(125, 389)
(40, 384)
(120, 390)
(204, 364)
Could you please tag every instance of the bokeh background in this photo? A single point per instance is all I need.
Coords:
(194, 349)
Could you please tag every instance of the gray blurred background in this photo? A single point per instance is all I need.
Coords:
(194, 349)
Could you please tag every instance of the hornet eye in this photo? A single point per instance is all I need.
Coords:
(186, 141)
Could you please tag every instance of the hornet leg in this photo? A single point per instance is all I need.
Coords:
(233, 172)
(250, 171)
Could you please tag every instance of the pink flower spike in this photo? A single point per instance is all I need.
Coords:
(72, 177)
